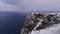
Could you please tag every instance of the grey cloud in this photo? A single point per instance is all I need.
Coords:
(8, 7)
(42, 5)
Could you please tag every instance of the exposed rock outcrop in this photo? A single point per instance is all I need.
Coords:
(33, 19)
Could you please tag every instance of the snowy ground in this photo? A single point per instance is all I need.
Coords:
(55, 29)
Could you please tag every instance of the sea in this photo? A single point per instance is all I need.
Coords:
(11, 22)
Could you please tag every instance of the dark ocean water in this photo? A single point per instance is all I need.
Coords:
(11, 22)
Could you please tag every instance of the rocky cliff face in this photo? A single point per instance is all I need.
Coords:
(39, 21)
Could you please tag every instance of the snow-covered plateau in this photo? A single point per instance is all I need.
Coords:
(55, 29)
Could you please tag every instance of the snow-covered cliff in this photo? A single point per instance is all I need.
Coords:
(42, 23)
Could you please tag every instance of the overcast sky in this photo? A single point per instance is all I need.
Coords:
(42, 5)
(9, 5)
(33, 5)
